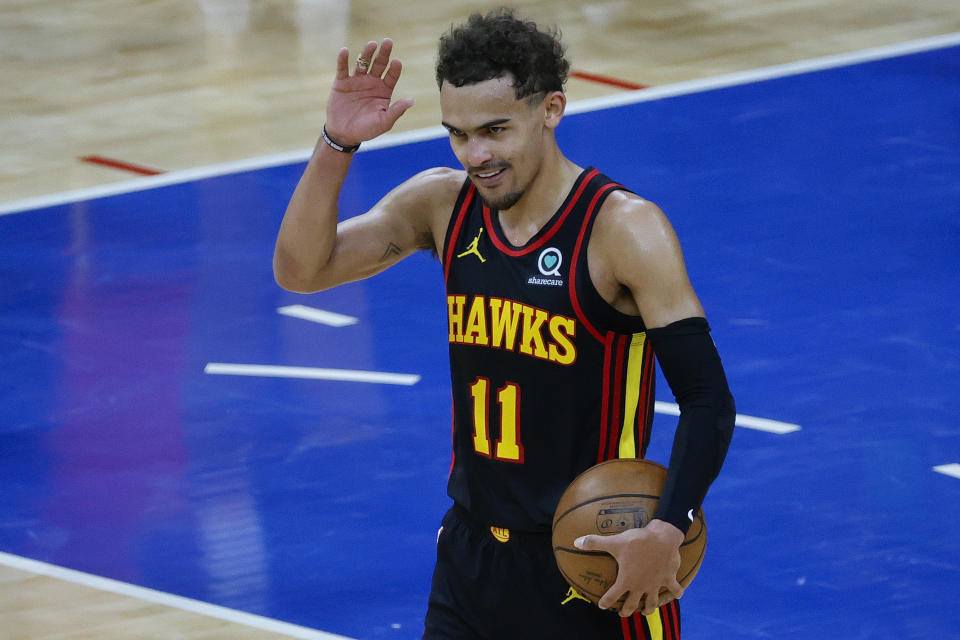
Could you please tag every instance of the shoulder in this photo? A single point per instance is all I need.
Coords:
(633, 224)
(439, 184)
(423, 201)
(436, 191)
(634, 248)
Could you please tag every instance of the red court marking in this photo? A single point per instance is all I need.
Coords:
(613, 82)
(123, 166)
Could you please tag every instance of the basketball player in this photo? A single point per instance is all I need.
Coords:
(561, 287)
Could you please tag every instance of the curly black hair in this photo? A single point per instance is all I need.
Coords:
(493, 45)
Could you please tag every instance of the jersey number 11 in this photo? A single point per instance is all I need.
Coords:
(508, 447)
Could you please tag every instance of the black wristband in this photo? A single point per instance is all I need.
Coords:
(334, 145)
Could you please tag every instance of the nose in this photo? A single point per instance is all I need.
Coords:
(477, 152)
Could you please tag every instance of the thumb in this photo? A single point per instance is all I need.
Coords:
(589, 543)
(397, 109)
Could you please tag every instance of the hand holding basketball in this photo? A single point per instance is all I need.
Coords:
(609, 547)
(359, 108)
(648, 560)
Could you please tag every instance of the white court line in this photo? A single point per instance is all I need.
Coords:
(320, 316)
(348, 375)
(310, 373)
(430, 133)
(165, 599)
(952, 470)
(747, 422)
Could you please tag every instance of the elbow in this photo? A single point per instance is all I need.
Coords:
(726, 410)
(291, 284)
(291, 277)
(726, 421)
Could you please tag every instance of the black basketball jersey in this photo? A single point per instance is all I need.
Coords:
(547, 378)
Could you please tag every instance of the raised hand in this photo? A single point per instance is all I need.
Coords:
(359, 108)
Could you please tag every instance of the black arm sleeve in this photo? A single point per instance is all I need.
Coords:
(692, 367)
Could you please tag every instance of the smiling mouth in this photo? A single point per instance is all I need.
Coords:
(489, 175)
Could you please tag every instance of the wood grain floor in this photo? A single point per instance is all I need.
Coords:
(36, 607)
(172, 84)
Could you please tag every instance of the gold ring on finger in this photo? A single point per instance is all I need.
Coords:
(362, 63)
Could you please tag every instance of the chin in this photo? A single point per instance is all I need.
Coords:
(503, 202)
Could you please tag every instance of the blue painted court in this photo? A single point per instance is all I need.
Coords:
(820, 218)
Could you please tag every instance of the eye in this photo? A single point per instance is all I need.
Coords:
(456, 133)
(496, 130)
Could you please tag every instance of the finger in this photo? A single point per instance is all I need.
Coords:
(382, 59)
(610, 599)
(612, 603)
(675, 588)
(665, 598)
(649, 605)
(342, 64)
(631, 605)
(393, 74)
(366, 54)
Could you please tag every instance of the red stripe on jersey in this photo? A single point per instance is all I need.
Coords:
(627, 631)
(452, 242)
(510, 251)
(605, 404)
(670, 614)
(576, 259)
(640, 624)
(616, 422)
(675, 615)
(666, 617)
(646, 392)
(453, 435)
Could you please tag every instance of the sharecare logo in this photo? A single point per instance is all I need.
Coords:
(550, 261)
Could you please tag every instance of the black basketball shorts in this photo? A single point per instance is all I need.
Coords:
(494, 584)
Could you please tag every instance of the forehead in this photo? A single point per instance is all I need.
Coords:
(474, 104)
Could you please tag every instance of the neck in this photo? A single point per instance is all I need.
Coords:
(541, 199)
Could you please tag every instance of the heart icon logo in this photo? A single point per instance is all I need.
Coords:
(549, 261)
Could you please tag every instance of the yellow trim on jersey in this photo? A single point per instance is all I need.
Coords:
(656, 625)
(628, 445)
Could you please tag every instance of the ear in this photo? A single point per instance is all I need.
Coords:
(554, 105)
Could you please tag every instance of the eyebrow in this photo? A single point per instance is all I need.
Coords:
(485, 125)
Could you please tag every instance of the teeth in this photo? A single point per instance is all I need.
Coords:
(489, 175)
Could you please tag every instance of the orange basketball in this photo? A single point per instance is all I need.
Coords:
(608, 498)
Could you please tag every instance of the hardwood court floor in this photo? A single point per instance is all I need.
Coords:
(174, 85)
(34, 607)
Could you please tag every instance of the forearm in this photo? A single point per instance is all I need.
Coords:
(308, 233)
(693, 369)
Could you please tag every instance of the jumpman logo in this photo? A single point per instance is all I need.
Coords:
(573, 595)
(472, 248)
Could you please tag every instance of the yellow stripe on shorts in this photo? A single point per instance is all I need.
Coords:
(655, 625)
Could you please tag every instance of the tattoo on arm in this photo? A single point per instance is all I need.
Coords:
(424, 241)
(392, 250)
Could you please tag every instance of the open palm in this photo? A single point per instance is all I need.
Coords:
(359, 108)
